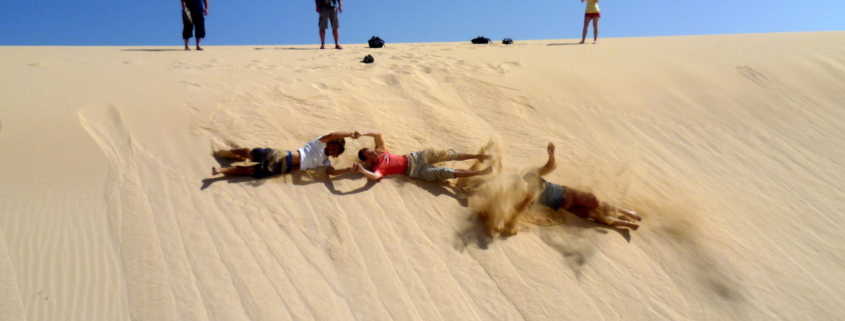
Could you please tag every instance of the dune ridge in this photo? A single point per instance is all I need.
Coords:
(729, 146)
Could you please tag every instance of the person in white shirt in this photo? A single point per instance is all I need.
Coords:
(272, 162)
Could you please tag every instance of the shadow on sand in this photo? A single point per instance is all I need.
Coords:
(475, 233)
(287, 48)
(153, 50)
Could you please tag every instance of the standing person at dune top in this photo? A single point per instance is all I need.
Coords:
(415, 165)
(193, 17)
(329, 10)
(273, 162)
(593, 14)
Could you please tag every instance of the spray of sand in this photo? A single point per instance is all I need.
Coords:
(495, 198)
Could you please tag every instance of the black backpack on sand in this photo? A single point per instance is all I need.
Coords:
(375, 42)
(480, 40)
(507, 41)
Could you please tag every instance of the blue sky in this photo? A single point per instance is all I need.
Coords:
(285, 22)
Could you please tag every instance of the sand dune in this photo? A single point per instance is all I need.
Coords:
(729, 146)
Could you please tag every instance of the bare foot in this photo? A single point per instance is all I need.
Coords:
(214, 171)
(594, 42)
(630, 213)
(338, 47)
(187, 48)
(486, 171)
(581, 43)
(199, 48)
(323, 47)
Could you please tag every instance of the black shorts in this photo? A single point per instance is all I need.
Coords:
(195, 21)
(267, 167)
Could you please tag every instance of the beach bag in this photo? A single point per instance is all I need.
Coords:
(368, 59)
(507, 41)
(480, 40)
(375, 42)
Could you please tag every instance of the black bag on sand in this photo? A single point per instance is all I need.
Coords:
(481, 40)
(375, 42)
(507, 41)
(368, 59)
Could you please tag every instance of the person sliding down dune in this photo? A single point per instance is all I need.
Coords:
(273, 162)
(416, 165)
(581, 203)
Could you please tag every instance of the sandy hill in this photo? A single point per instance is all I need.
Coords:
(730, 146)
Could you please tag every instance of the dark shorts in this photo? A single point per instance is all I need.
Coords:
(328, 14)
(592, 15)
(267, 167)
(197, 21)
(552, 196)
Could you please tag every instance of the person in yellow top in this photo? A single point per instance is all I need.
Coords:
(591, 14)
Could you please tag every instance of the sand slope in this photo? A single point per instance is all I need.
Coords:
(730, 146)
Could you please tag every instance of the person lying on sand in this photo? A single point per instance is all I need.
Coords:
(273, 162)
(415, 165)
(581, 203)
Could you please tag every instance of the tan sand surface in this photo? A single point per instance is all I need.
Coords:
(732, 147)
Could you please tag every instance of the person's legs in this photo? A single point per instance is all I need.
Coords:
(333, 18)
(472, 156)
(336, 35)
(234, 170)
(433, 156)
(612, 221)
(235, 153)
(607, 208)
(199, 25)
(595, 29)
(187, 29)
(460, 173)
(584, 33)
(323, 24)
(576, 197)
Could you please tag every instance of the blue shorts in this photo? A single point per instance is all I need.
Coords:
(552, 196)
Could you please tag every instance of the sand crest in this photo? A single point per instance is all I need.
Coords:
(729, 146)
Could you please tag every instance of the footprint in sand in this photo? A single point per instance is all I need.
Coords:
(131, 62)
(39, 64)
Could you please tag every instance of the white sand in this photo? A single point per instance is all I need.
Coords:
(730, 146)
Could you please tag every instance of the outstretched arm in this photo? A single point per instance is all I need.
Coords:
(333, 171)
(377, 137)
(370, 175)
(550, 164)
(510, 225)
(337, 135)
